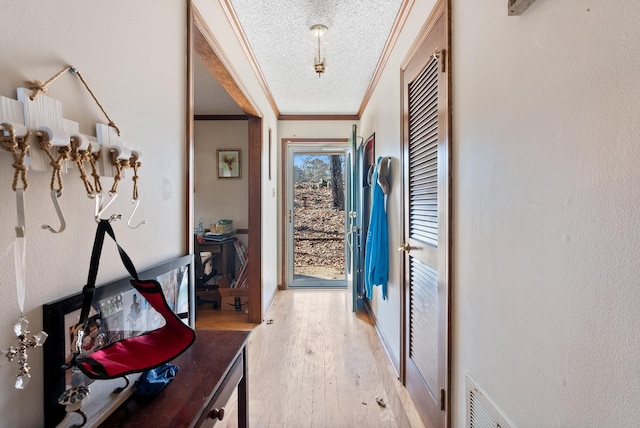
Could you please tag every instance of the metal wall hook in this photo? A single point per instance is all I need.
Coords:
(100, 209)
(137, 202)
(20, 229)
(55, 195)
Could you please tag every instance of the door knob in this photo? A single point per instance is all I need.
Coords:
(405, 247)
(217, 414)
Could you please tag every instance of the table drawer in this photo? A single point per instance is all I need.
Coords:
(215, 411)
(213, 249)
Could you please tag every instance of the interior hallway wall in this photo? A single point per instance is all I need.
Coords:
(382, 116)
(220, 198)
(545, 221)
(546, 226)
(315, 128)
(136, 67)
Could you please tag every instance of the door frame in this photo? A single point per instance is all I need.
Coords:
(284, 144)
(200, 41)
(440, 10)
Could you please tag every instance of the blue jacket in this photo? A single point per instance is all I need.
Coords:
(376, 254)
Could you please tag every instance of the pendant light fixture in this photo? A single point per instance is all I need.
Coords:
(318, 31)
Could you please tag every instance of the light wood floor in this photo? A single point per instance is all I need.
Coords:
(313, 363)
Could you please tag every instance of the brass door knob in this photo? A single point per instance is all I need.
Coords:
(405, 247)
(217, 414)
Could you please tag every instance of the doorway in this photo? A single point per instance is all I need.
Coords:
(427, 227)
(200, 42)
(316, 205)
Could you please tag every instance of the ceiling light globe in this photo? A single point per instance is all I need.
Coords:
(318, 30)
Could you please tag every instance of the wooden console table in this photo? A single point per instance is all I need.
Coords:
(209, 371)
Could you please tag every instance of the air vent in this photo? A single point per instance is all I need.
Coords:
(481, 413)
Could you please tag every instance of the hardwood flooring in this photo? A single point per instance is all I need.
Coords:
(314, 363)
(209, 319)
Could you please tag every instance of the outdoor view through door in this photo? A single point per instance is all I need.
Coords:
(318, 219)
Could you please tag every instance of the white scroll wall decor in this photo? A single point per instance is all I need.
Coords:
(109, 140)
(11, 112)
(43, 114)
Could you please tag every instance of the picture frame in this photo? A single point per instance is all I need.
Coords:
(269, 154)
(229, 165)
(368, 159)
(117, 311)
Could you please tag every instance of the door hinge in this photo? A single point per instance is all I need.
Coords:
(443, 397)
(439, 55)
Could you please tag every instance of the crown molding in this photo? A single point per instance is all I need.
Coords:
(242, 38)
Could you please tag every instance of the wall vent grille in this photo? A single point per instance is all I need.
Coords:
(481, 413)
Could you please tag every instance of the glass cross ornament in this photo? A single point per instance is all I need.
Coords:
(21, 329)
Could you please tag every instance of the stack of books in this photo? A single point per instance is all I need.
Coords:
(242, 275)
(219, 237)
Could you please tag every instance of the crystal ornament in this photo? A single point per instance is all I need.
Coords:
(21, 329)
(40, 338)
(22, 380)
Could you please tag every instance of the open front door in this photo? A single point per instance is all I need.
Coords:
(354, 214)
(316, 204)
(426, 223)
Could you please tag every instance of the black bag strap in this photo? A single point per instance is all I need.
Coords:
(88, 291)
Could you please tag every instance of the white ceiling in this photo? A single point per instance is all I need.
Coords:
(278, 35)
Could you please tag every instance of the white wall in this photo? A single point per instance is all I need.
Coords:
(270, 225)
(136, 67)
(314, 129)
(546, 203)
(545, 132)
(382, 116)
(220, 198)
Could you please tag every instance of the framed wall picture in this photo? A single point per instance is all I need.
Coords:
(228, 163)
(269, 154)
(368, 160)
(118, 311)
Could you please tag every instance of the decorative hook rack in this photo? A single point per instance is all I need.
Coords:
(36, 120)
(35, 117)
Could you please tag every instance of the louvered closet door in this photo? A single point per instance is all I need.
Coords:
(426, 265)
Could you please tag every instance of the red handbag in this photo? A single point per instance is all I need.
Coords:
(132, 354)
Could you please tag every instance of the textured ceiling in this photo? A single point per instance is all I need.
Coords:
(279, 37)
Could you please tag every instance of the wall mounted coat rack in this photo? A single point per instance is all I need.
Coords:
(55, 145)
